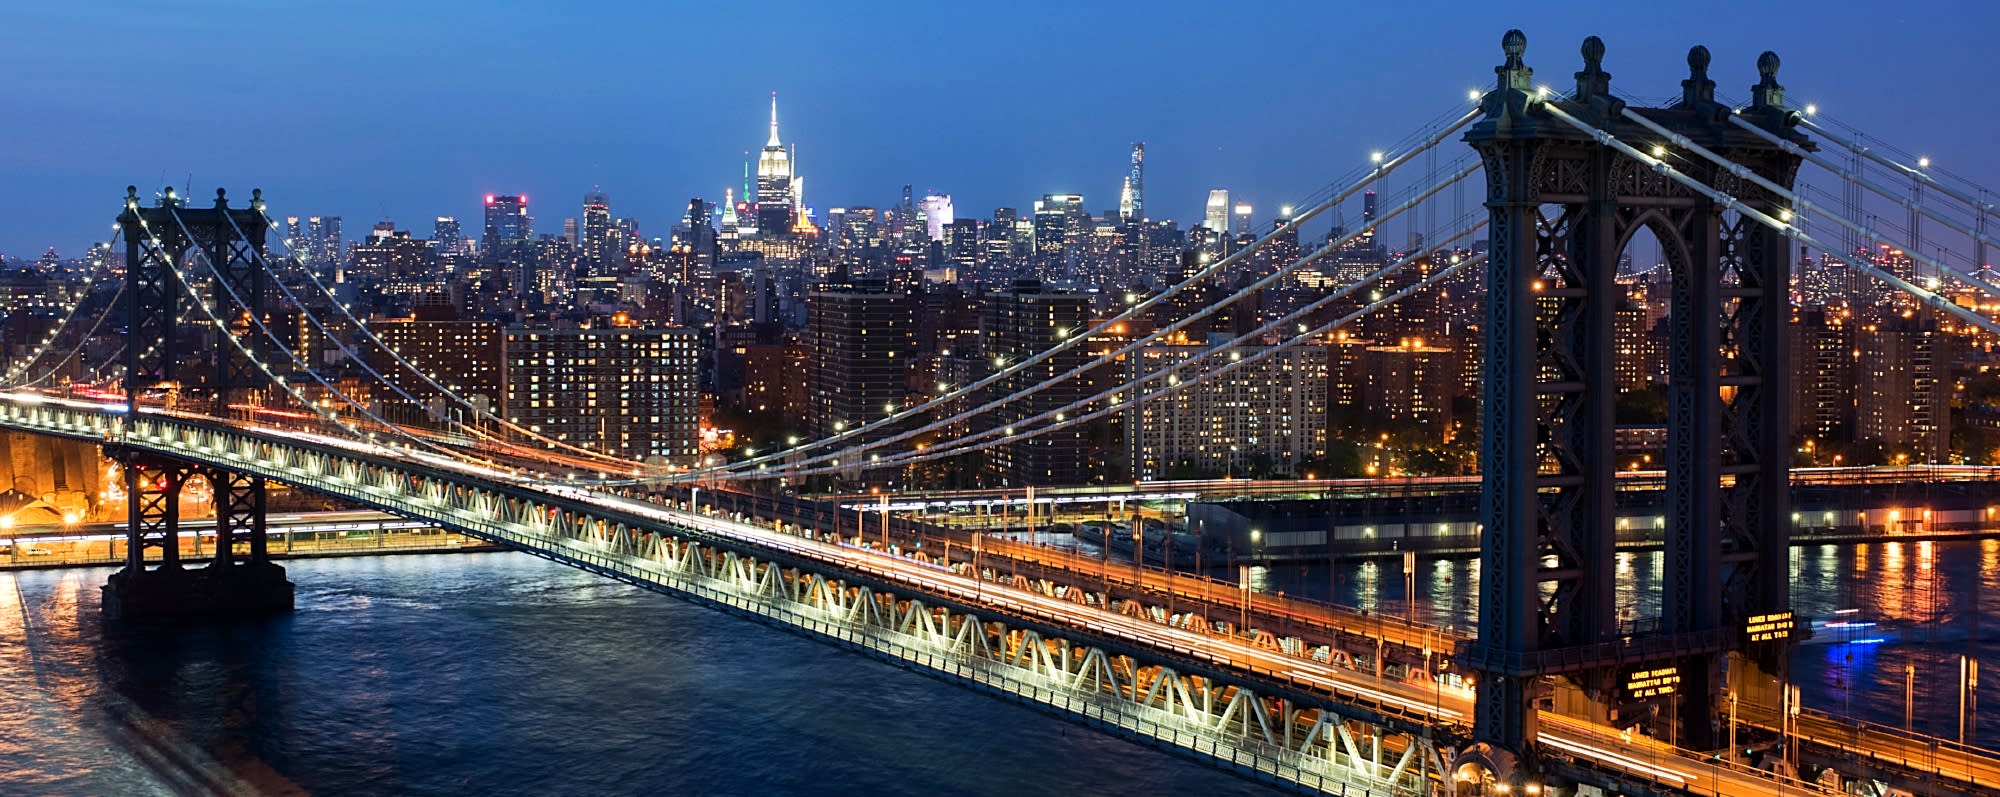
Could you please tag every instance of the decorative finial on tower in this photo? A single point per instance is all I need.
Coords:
(1767, 93)
(257, 199)
(774, 121)
(1697, 89)
(168, 200)
(1515, 74)
(1593, 81)
(131, 196)
(221, 198)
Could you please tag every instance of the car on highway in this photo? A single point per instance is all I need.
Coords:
(36, 550)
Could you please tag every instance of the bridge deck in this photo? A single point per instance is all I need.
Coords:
(466, 501)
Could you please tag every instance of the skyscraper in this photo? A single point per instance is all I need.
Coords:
(1903, 391)
(322, 245)
(446, 237)
(504, 242)
(1059, 235)
(600, 254)
(1217, 218)
(624, 391)
(774, 181)
(937, 213)
(861, 336)
(507, 222)
(1136, 182)
(1018, 325)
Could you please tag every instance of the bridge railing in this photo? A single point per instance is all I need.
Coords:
(1325, 616)
(1938, 749)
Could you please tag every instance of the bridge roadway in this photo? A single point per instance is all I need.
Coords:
(1600, 748)
(399, 482)
(1379, 486)
(1889, 750)
(1311, 622)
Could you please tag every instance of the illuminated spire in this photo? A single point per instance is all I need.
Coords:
(774, 121)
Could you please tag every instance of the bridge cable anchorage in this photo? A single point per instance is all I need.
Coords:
(20, 367)
(366, 437)
(1790, 230)
(977, 441)
(1901, 199)
(1387, 165)
(338, 342)
(1470, 165)
(370, 336)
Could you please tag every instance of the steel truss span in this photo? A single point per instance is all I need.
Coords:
(1275, 715)
(1194, 696)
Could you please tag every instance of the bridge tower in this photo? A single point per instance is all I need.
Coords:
(170, 353)
(1563, 206)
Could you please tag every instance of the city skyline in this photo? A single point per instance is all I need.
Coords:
(587, 115)
(1664, 412)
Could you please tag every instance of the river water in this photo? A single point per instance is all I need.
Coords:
(507, 674)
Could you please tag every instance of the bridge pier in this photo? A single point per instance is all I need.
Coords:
(229, 585)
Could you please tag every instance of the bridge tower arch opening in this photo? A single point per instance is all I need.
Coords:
(1563, 207)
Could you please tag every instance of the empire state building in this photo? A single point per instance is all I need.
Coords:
(777, 195)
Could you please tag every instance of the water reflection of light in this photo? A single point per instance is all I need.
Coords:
(1989, 558)
(1258, 577)
(1891, 586)
(13, 618)
(1367, 581)
(1926, 553)
(1624, 564)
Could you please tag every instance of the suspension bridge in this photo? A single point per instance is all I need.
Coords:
(1542, 699)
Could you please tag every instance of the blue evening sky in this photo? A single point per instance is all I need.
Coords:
(403, 110)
